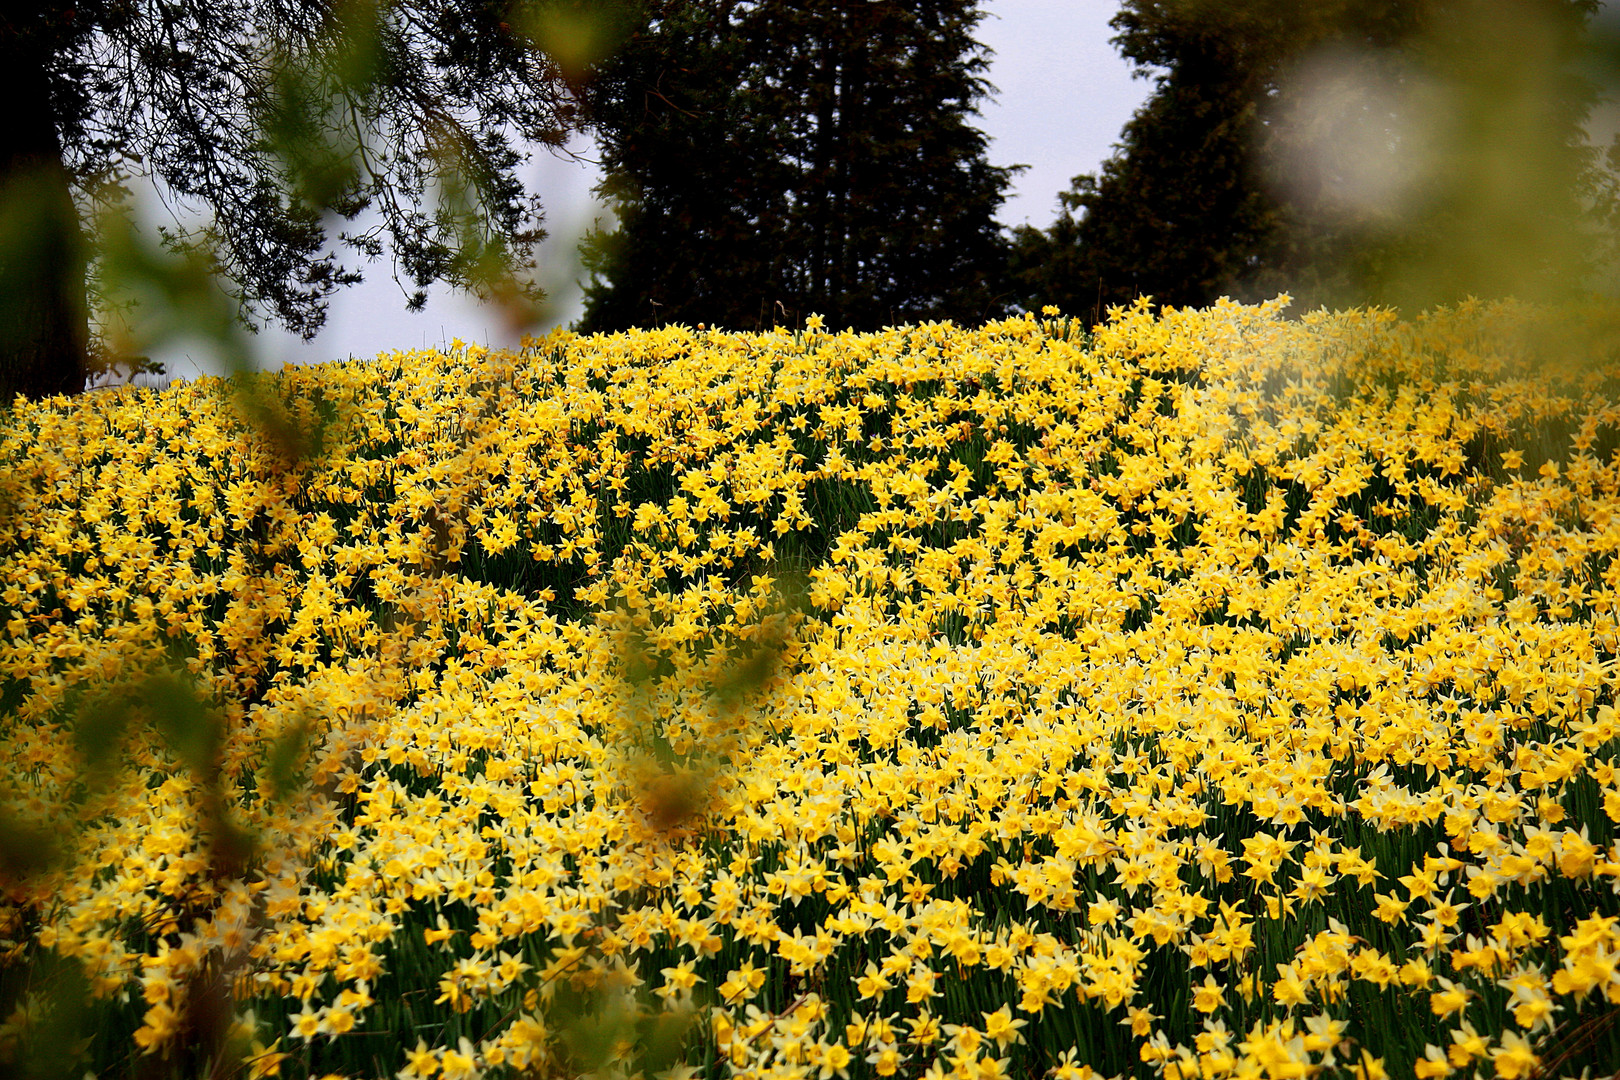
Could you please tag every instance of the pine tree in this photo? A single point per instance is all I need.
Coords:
(768, 159)
(1349, 151)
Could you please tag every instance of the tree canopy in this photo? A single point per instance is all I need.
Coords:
(768, 159)
(300, 138)
(1350, 151)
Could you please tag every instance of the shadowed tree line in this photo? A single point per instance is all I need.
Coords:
(766, 160)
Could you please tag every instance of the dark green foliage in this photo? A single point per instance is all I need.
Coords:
(1357, 151)
(768, 160)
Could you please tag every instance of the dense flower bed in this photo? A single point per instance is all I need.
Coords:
(1209, 694)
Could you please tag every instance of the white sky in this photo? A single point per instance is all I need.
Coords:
(1063, 94)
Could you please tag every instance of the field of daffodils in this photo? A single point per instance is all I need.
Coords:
(1204, 694)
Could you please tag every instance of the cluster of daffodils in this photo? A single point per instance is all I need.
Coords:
(1211, 694)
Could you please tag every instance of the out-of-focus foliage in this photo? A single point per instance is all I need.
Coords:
(1348, 152)
(1210, 694)
(296, 141)
(768, 159)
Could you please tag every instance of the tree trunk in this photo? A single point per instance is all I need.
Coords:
(44, 309)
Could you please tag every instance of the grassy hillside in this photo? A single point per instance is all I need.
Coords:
(1207, 694)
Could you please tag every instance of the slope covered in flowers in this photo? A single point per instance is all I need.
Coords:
(1211, 694)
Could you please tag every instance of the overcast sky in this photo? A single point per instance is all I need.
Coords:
(1062, 96)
